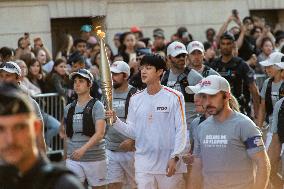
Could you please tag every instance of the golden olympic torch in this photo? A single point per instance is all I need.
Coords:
(105, 74)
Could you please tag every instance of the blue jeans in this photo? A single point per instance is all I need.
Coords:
(51, 127)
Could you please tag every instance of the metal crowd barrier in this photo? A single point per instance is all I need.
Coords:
(53, 104)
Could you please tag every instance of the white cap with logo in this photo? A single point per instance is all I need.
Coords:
(273, 59)
(11, 67)
(210, 85)
(176, 48)
(195, 45)
(120, 67)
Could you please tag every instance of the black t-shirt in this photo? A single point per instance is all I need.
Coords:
(236, 71)
(248, 48)
(8, 176)
(33, 178)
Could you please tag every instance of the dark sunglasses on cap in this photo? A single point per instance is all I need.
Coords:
(182, 55)
(7, 65)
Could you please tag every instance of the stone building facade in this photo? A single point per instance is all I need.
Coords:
(48, 18)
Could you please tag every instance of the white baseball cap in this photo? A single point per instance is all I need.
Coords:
(84, 73)
(195, 45)
(280, 65)
(120, 67)
(273, 59)
(11, 67)
(210, 85)
(176, 48)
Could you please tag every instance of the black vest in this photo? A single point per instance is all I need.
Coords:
(268, 100)
(89, 127)
(182, 80)
(43, 175)
(131, 92)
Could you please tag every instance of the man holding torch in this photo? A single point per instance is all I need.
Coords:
(156, 121)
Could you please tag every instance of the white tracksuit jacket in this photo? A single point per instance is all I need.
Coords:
(157, 123)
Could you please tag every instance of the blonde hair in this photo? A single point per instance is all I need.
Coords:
(234, 104)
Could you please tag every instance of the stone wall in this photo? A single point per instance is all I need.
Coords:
(34, 16)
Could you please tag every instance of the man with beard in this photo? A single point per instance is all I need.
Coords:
(196, 59)
(179, 76)
(228, 147)
(23, 165)
(238, 74)
(119, 147)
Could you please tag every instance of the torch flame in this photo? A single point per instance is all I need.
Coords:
(100, 33)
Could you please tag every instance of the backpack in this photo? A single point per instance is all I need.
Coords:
(89, 127)
(268, 100)
(182, 80)
(131, 92)
(280, 124)
(202, 118)
(205, 71)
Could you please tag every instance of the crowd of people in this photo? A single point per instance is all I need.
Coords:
(186, 113)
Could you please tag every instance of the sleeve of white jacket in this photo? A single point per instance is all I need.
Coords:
(127, 128)
(180, 124)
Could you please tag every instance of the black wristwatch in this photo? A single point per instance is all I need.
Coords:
(176, 158)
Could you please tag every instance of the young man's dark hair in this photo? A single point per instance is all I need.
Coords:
(77, 41)
(154, 60)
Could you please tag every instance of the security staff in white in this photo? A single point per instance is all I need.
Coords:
(228, 147)
(156, 120)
